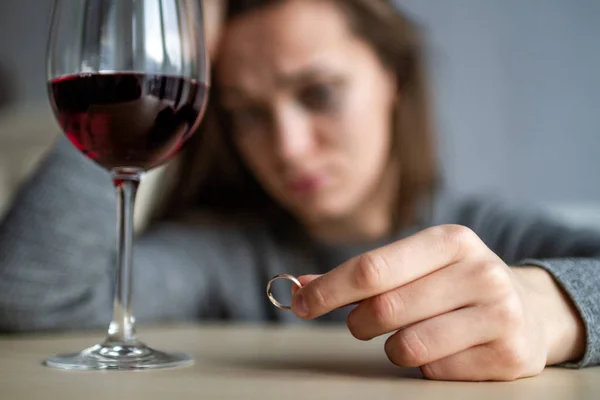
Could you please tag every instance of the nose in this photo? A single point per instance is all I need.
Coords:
(294, 135)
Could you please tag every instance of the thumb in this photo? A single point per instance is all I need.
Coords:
(304, 280)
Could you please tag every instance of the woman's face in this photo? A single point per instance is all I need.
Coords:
(310, 105)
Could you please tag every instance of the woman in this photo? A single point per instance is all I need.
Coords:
(319, 145)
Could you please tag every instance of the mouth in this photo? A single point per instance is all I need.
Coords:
(306, 184)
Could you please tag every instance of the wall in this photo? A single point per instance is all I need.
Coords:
(517, 89)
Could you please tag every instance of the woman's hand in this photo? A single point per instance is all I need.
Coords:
(457, 310)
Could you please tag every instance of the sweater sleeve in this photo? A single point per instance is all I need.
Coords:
(527, 237)
(57, 255)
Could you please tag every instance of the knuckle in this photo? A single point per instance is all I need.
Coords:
(459, 238)
(495, 278)
(317, 298)
(459, 233)
(509, 313)
(384, 310)
(513, 358)
(370, 271)
(431, 371)
(411, 351)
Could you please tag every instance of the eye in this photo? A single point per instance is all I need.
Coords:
(245, 119)
(319, 97)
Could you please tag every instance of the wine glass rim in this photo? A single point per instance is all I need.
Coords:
(126, 72)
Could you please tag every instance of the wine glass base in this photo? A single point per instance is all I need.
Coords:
(116, 356)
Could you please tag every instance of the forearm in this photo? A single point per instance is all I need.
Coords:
(56, 243)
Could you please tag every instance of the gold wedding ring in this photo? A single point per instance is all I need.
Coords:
(270, 295)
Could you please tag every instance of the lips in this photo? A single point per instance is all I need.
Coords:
(305, 184)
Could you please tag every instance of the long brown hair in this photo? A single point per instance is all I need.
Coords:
(212, 176)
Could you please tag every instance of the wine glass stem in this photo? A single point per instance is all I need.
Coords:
(122, 326)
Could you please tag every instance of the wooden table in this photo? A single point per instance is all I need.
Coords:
(247, 362)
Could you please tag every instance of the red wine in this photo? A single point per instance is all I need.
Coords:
(128, 119)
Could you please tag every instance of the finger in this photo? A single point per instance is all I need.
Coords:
(489, 362)
(304, 280)
(442, 336)
(474, 364)
(438, 293)
(385, 268)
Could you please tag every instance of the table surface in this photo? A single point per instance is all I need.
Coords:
(251, 362)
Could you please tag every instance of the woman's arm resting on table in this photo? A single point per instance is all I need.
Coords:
(57, 254)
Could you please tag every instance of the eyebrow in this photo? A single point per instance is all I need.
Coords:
(295, 78)
(283, 80)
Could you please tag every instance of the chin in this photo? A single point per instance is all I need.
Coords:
(320, 211)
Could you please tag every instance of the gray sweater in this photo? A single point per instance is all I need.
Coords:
(57, 246)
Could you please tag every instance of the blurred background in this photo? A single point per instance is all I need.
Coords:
(517, 87)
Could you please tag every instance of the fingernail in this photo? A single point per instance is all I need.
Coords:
(299, 306)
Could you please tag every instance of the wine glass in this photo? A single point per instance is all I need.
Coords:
(128, 83)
